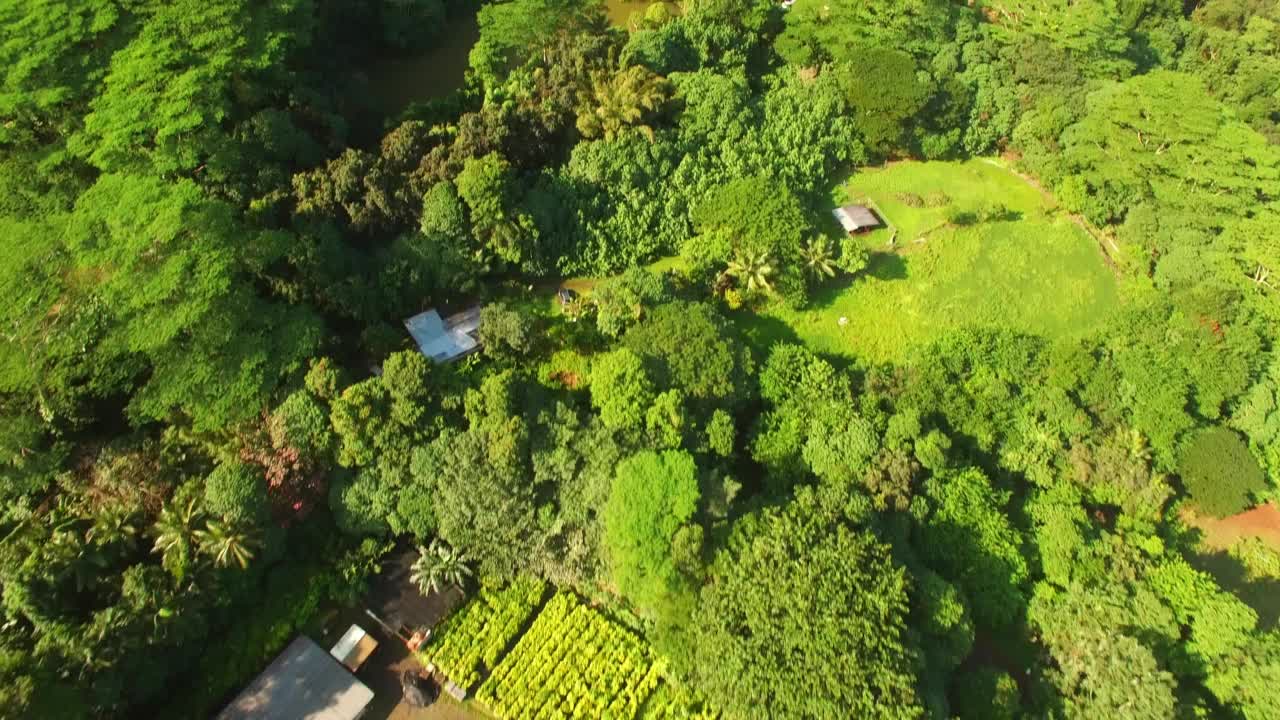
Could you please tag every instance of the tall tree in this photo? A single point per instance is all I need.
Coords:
(175, 274)
(653, 498)
(619, 101)
(805, 617)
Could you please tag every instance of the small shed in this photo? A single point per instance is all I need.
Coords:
(856, 218)
(303, 683)
(446, 339)
(566, 296)
(353, 648)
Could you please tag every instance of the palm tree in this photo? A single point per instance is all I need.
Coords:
(614, 102)
(226, 544)
(113, 526)
(439, 567)
(751, 269)
(819, 258)
(175, 532)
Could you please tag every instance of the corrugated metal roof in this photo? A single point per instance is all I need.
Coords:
(856, 217)
(445, 339)
(303, 683)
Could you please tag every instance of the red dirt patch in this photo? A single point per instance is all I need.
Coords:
(1221, 533)
(567, 378)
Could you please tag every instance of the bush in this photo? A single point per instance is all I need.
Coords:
(237, 492)
(505, 332)
(960, 218)
(1259, 560)
(985, 694)
(911, 200)
(994, 212)
(853, 255)
(937, 199)
(1219, 472)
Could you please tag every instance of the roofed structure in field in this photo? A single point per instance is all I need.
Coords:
(856, 218)
(446, 339)
(303, 683)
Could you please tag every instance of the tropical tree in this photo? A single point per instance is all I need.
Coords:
(805, 617)
(175, 532)
(819, 258)
(619, 101)
(226, 543)
(113, 526)
(752, 269)
(438, 567)
(653, 497)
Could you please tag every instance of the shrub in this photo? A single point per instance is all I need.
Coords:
(911, 200)
(937, 199)
(994, 212)
(1259, 560)
(237, 492)
(1219, 472)
(853, 256)
(960, 218)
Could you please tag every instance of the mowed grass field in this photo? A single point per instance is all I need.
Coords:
(1034, 271)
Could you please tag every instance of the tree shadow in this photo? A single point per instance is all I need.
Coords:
(1261, 594)
(824, 295)
(887, 266)
(762, 332)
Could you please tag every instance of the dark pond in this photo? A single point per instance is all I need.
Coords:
(397, 82)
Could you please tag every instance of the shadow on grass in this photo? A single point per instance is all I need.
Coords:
(887, 266)
(762, 332)
(1261, 594)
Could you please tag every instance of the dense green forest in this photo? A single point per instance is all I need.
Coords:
(213, 423)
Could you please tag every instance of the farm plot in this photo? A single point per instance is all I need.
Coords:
(572, 663)
(473, 639)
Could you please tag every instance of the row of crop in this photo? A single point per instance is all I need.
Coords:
(572, 663)
(473, 639)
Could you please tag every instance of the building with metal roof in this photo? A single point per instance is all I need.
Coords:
(446, 339)
(304, 682)
(856, 218)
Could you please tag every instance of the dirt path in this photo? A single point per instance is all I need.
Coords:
(1221, 533)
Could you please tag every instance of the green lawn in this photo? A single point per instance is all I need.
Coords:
(1035, 272)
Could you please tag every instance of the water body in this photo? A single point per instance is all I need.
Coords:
(397, 82)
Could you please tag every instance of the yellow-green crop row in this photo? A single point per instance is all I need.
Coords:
(473, 639)
(572, 663)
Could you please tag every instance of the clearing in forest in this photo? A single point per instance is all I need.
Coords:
(974, 245)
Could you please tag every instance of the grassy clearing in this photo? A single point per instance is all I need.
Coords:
(1035, 271)
(914, 197)
(584, 285)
